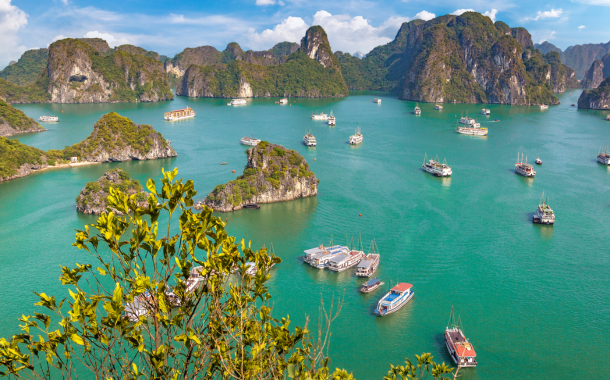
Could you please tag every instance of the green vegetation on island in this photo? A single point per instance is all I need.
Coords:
(13, 121)
(27, 70)
(93, 199)
(33, 93)
(597, 98)
(177, 308)
(14, 154)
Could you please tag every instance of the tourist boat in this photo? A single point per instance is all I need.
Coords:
(237, 102)
(607, 117)
(370, 285)
(473, 129)
(356, 138)
(435, 168)
(250, 141)
(369, 263)
(252, 205)
(538, 161)
(377, 100)
(485, 111)
(309, 140)
(321, 116)
(467, 120)
(417, 110)
(460, 349)
(497, 120)
(331, 119)
(396, 298)
(524, 168)
(320, 257)
(185, 113)
(284, 101)
(348, 259)
(544, 213)
(134, 310)
(438, 107)
(48, 118)
(251, 268)
(543, 106)
(603, 157)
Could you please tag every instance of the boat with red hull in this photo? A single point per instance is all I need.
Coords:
(460, 349)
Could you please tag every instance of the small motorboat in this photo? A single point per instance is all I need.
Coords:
(538, 161)
(252, 205)
(573, 105)
(223, 163)
(497, 120)
(371, 285)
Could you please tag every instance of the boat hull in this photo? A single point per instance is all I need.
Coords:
(395, 308)
(471, 132)
(179, 118)
(539, 220)
(371, 289)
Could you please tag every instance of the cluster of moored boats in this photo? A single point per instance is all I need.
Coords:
(310, 140)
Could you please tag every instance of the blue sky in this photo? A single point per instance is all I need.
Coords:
(357, 25)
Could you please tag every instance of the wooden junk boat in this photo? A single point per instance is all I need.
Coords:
(371, 285)
(370, 263)
(460, 349)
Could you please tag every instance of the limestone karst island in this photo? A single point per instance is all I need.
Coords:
(266, 189)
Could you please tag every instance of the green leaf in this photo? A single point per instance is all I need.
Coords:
(77, 339)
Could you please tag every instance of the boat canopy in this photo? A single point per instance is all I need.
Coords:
(366, 263)
(465, 349)
(402, 287)
(371, 282)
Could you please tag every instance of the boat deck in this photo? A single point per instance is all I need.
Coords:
(391, 297)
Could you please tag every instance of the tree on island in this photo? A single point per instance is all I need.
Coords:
(207, 325)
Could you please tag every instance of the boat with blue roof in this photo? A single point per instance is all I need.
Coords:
(371, 285)
(396, 298)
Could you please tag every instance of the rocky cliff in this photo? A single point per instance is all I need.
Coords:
(116, 138)
(272, 174)
(299, 76)
(92, 199)
(464, 58)
(596, 99)
(580, 57)
(599, 70)
(27, 69)
(13, 121)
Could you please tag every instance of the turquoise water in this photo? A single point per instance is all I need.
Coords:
(533, 299)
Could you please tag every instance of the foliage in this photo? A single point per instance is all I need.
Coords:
(13, 154)
(33, 93)
(16, 119)
(425, 365)
(96, 193)
(27, 69)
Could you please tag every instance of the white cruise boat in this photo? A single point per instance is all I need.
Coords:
(185, 113)
(369, 263)
(473, 129)
(346, 260)
(603, 157)
(321, 116)
(320, 257)
(485, 111)
(438, 107)
(377, 101)
(284, 101)
(48, 118)
(467, 120)
(250, 141)
(544, 213)
(396, 298)
(543, 106)
(237, 102)
(523, 168)
(309, 140)
(436, 168)
(417, 110)
(331, 119)
(251, 268)
(356, 138)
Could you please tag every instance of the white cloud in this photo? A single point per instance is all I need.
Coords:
(491, 14)
(547, 36)
(112, 41)
(265, 2)
(459, 12)
(291, 29)
(65, 2)
(581, 27)
(546, 14)
(11, 20)
(595, 2)
(57, 38)
(424, 15)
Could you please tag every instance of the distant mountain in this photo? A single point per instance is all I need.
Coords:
(465, 58)
(546, 47)
(27, 69)
(579, 57)
(310, 71)
(599, 70)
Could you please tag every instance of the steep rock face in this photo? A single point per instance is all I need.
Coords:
(116, 138)
(298, 76)
(26, 71)
(546, 47)
(13, 121)
(599, 70)
(272, 174)
(522, 36)
(93, 197)
(571, 80)
(581, 57)
(315, 45)
(596, 99)
(81, 73)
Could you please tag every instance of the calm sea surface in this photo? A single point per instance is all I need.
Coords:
(534, 300)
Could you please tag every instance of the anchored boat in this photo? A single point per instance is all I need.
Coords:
(544, 213)
(283, 101)
(524, 168)
(356, 138)
(48, 118)
(377, 100)
(331, 119)
(250, 141)
(237, 102)
(369, 263)
(538, 161)
(371, 285)
(543, 106)
(438, 107)
(473, 130)
(485, 111)
(185, 113)
(396, 298)
(417, 110)
(346, 260)
(319, 257)
(321, 116)
(460, 349)
(435, 168)
(603, 157)
(309, 140)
